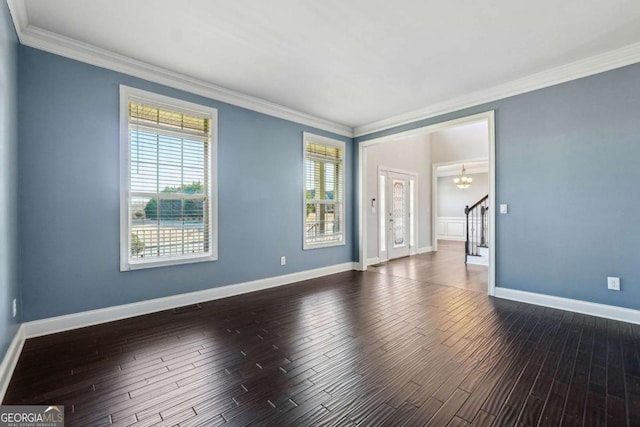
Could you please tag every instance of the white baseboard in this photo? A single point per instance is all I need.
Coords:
(376, 260)
(52, 325)
(577, 306)
(371, 261)
(11, 360)
(477, 260)
(450, 238)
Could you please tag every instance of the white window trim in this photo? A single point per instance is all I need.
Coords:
(127, 94)
(306, 136)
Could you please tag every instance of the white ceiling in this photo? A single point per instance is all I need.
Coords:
(351, 62)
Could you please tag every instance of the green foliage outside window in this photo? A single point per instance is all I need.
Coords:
(173, 209)
(137, 245)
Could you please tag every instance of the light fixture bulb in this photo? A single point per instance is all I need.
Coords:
(463, 181)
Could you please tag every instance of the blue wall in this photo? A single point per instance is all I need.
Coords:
(9, 242)
(567, 164)
(69, 165)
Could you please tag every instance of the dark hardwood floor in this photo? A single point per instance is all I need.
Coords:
(444, 267)
(348, 349)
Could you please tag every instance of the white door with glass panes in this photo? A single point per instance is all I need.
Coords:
(397, 206)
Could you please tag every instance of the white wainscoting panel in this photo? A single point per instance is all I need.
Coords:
(450, 228)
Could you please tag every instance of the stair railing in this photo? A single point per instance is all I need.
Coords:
(477, 224)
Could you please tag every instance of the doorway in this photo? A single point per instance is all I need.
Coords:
(448, 224)
(364, 226)
(397, 220)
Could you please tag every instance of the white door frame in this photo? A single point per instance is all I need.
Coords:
(413, 222)
(489, 116)
(434, 194)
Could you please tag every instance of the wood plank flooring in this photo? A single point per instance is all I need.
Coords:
(355, 348)
(444, 267)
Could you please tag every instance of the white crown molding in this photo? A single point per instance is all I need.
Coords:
(577, 306)
(70, 48)
(468, 170)
(10, 361)
(18, 11)
(586, 67)
(64, 46)
(83, 319)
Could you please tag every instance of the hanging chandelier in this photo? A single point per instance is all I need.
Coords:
(463, 181)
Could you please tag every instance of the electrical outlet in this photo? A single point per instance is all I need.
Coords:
(283, 260)
(613, 283)
(15, 308)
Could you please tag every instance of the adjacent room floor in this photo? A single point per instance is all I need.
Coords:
(355, 348)
(444, 267)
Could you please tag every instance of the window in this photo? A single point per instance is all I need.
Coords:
(168, 207)
(323, 192)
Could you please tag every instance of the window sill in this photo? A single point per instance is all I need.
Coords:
(308, 246)
(141, 265)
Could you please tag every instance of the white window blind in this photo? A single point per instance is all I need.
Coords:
(169, 205)
(324, 191)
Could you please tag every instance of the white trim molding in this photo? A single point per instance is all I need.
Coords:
(127, 195)
(70, 48)
(371, 261)
(311, 139)
(577, 306)
(424, 250)
(68, 322)
(582, 68)
(48, 41)
(10, 360)
(453, 168)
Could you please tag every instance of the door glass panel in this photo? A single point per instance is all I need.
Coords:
(382, 208)
(399, 213)
(412, 213)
